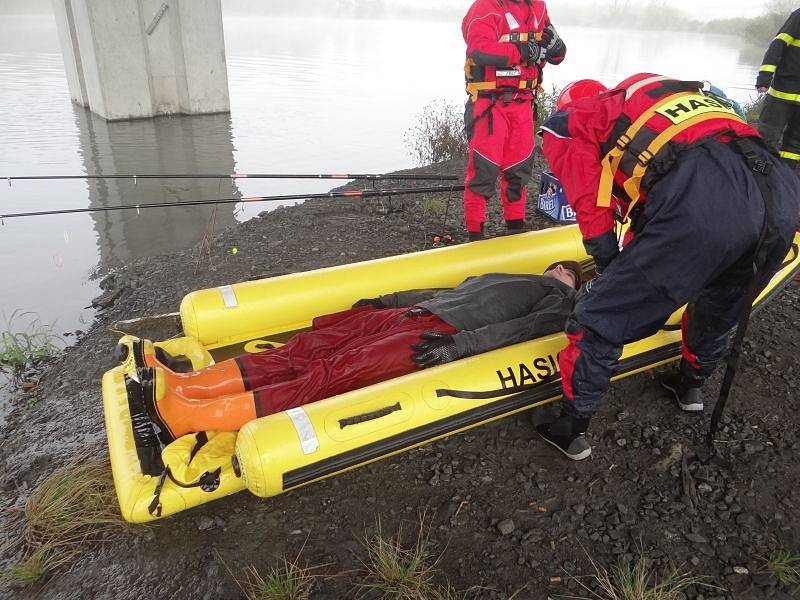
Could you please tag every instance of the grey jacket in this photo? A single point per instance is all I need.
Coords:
(494, 310)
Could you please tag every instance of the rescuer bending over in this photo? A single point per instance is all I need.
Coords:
(378, 339)
(708, 206)
(508, 44)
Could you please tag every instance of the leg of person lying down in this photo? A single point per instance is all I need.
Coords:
(329, 333)
(380, 350)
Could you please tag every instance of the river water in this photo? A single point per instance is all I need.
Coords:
(324, 96)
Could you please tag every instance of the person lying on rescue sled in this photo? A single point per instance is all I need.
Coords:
(378, 339)
(708, 205)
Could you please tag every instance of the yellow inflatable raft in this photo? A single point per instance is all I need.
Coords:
(280, 452)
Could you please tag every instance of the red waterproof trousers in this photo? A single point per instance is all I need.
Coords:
(501, 143)
(344, 351)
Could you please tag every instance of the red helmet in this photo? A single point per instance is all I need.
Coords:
(583, 88)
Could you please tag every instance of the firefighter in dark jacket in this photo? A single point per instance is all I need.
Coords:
(508, 44)
(380, 338)
(779, 78)
(703, 197)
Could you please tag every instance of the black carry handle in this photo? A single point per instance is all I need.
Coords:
(370, 416)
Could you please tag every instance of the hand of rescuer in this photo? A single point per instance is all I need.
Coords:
(604, 248)
(374, 302)
(551, 41)
(436, 349)
(532, 52)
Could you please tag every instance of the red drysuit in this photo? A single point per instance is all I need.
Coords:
(345, 351)
(499, 114)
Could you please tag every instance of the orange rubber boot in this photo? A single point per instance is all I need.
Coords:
(215, 380)
(177, 415)
(220, 379)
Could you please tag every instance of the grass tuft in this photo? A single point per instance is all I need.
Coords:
(24, 346)
(71, 507)
(288, 581)
(784, 566)
(636, 582)
(394, 571)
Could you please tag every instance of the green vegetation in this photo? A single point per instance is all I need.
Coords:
(438, 134)
(396, 571)
(288, 581)
(636, 582)
(73, 506)
(24, 346)
(785, 566)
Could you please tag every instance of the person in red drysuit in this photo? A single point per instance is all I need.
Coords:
(508, 43)
(379, 339)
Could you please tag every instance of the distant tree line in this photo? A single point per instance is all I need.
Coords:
(659, 15)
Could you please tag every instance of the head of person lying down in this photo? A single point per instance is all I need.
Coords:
(381, 339)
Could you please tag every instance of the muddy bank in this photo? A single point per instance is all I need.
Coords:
(505, 511)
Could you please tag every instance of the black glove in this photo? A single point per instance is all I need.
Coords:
(604, 248)
(437, 349)
(550, 38)
(374, 302)
(531, 52)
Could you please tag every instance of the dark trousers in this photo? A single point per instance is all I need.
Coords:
(693, 243)
(779, 126)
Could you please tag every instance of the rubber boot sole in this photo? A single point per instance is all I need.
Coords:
(147, 379)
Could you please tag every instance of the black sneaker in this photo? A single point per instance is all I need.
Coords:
(688, 394)
(563, 435)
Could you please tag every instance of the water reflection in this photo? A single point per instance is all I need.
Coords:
(200, 144)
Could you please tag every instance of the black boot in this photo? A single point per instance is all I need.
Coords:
(515, 226)
(476, 236)
(686, 390)
(566, 434)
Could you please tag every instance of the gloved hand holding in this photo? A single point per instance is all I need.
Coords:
(554, 47)
(531, 52)
(374, 302)
(436, 349)
(549, 37)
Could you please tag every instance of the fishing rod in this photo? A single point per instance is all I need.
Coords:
(245, 200)
(233, 176)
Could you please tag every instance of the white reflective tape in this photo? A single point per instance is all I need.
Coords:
(512, 22)
(305, 430)
(228, 296)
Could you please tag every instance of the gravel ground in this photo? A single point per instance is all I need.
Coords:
(504, 511)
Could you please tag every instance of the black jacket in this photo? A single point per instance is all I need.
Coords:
(495, 310)
(781, 69)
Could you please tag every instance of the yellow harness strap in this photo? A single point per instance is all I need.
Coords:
(610, 162)
(633, 185)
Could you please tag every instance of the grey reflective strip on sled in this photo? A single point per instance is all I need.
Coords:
(305, 430)
(228, 296)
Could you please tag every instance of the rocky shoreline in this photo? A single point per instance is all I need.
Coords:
(505, 512)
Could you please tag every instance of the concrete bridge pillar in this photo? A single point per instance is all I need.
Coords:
(131, 59)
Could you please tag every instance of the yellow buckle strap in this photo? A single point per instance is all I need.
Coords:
(610, 162)
(633, 185)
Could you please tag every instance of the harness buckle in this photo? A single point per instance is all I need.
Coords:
(645, 157)
(623, 141)
(761, 166)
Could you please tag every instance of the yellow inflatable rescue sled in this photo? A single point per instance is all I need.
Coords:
(283, 451)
